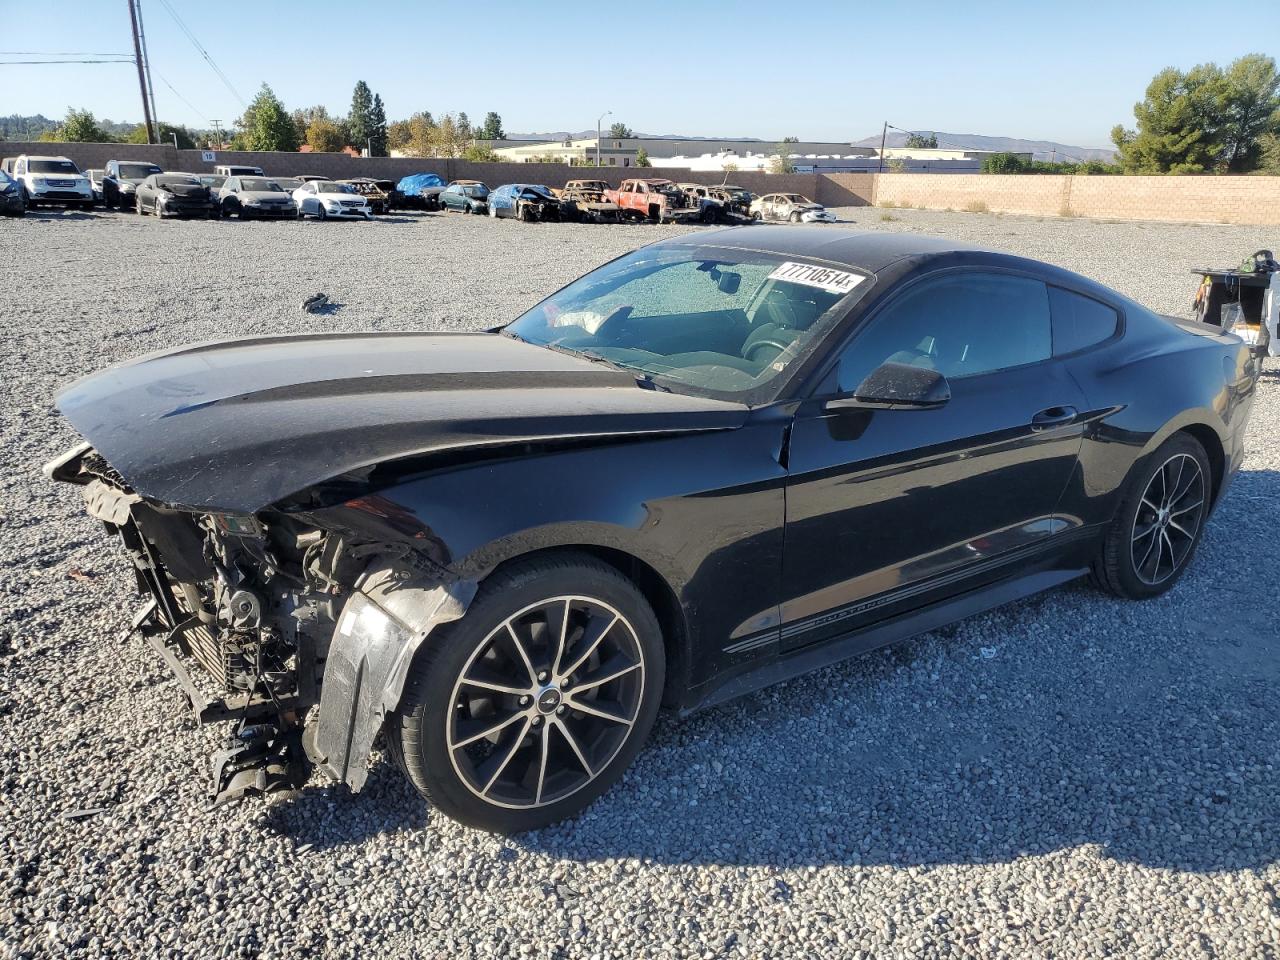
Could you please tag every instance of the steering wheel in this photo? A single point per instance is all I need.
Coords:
(751, 350)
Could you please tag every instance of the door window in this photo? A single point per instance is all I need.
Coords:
(960, 324)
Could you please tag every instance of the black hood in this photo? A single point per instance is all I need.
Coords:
(239, 425)
(191, 190)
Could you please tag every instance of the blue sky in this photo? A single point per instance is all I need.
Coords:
(817, 70)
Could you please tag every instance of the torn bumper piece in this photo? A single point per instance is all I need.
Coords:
(380, 629)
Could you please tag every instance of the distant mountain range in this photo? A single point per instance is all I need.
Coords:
(1039, 149)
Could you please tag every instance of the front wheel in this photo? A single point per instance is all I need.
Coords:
(321, 213)
(137, 205)
(532, 705)
(1155, 533)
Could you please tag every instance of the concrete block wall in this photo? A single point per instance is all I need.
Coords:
(1235, 199)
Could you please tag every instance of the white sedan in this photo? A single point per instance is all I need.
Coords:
(792, 207)
(323, 199)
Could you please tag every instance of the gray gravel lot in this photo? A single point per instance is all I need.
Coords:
(1070, 776)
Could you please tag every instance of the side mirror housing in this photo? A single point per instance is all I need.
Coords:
(897, 386)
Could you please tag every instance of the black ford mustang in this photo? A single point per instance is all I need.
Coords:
(712, 464)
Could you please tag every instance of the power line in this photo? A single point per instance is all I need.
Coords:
(37, 63)
(197, 112)
(59, 53)
(203, 52)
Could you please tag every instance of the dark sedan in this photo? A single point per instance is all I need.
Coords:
(13, 202)
(174, 195)
(120, 182)
(465, 196)
(712, 464)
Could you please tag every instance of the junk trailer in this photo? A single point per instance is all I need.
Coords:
(1244, 300)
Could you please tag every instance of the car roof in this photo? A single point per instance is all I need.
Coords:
(855, 248)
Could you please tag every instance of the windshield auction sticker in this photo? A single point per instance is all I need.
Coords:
(836, 281)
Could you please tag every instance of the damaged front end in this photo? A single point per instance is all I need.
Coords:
(302, 636)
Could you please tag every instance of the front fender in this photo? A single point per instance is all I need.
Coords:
(382, 625)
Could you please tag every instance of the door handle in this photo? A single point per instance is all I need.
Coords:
(1053, 417)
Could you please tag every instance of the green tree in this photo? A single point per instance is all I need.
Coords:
(1269, 147)
(1179, 123)
(620, 131)
(492, 128)
(266, 126)
(360, 120)
(165, 134)
(324, 136)
(479, 153)
(447, 138)
(781, 161)
(79, 126)
(1004, 163)
(919, 141)
(464, 126)
(378, 128)
(1250, 103)
(642, 158)
(303, 117)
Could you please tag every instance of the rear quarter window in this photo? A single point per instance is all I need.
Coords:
(1079, 321)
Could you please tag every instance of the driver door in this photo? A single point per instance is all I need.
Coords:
(890, 509)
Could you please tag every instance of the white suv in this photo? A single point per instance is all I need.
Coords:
(52, 180)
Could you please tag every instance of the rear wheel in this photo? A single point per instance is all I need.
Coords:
(1155, 533)
(531, 706)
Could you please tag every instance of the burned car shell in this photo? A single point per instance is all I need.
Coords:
(529, 202)
(391, 473)
(382, 195)
(720, 204)
(588, 201)
(791, 207)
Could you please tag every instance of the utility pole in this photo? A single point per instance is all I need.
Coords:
(146, 58)
(142, 76)
(884, 134)
(598, 122)
(217, 129)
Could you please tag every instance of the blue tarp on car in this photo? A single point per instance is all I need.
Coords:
(413, 184)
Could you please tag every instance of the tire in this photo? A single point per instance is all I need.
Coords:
(795, 218)
(321, 213)
(137, 203)
(493, 212)
(439, 705)
(1166, 502)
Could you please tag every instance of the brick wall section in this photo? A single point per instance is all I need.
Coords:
(1039, 195)
(1242, 200)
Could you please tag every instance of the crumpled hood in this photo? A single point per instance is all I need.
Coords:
(239, 425)
(190, 190)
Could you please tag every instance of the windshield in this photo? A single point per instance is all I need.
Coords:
(243, 171)
(259, 185)
(719, 322)
(173, 180)
(328, 186)
(476, 190)
(213, 180)
(288, 184)
(138, 171)
(52, 166)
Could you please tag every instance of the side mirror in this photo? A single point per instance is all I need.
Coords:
(898, 386)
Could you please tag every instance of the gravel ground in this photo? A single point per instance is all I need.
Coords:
(1070, 776)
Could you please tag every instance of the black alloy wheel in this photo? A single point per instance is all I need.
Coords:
(1153, 537)
(528, 708)
(1167, 522)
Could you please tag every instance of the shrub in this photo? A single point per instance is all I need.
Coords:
(977, 206)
